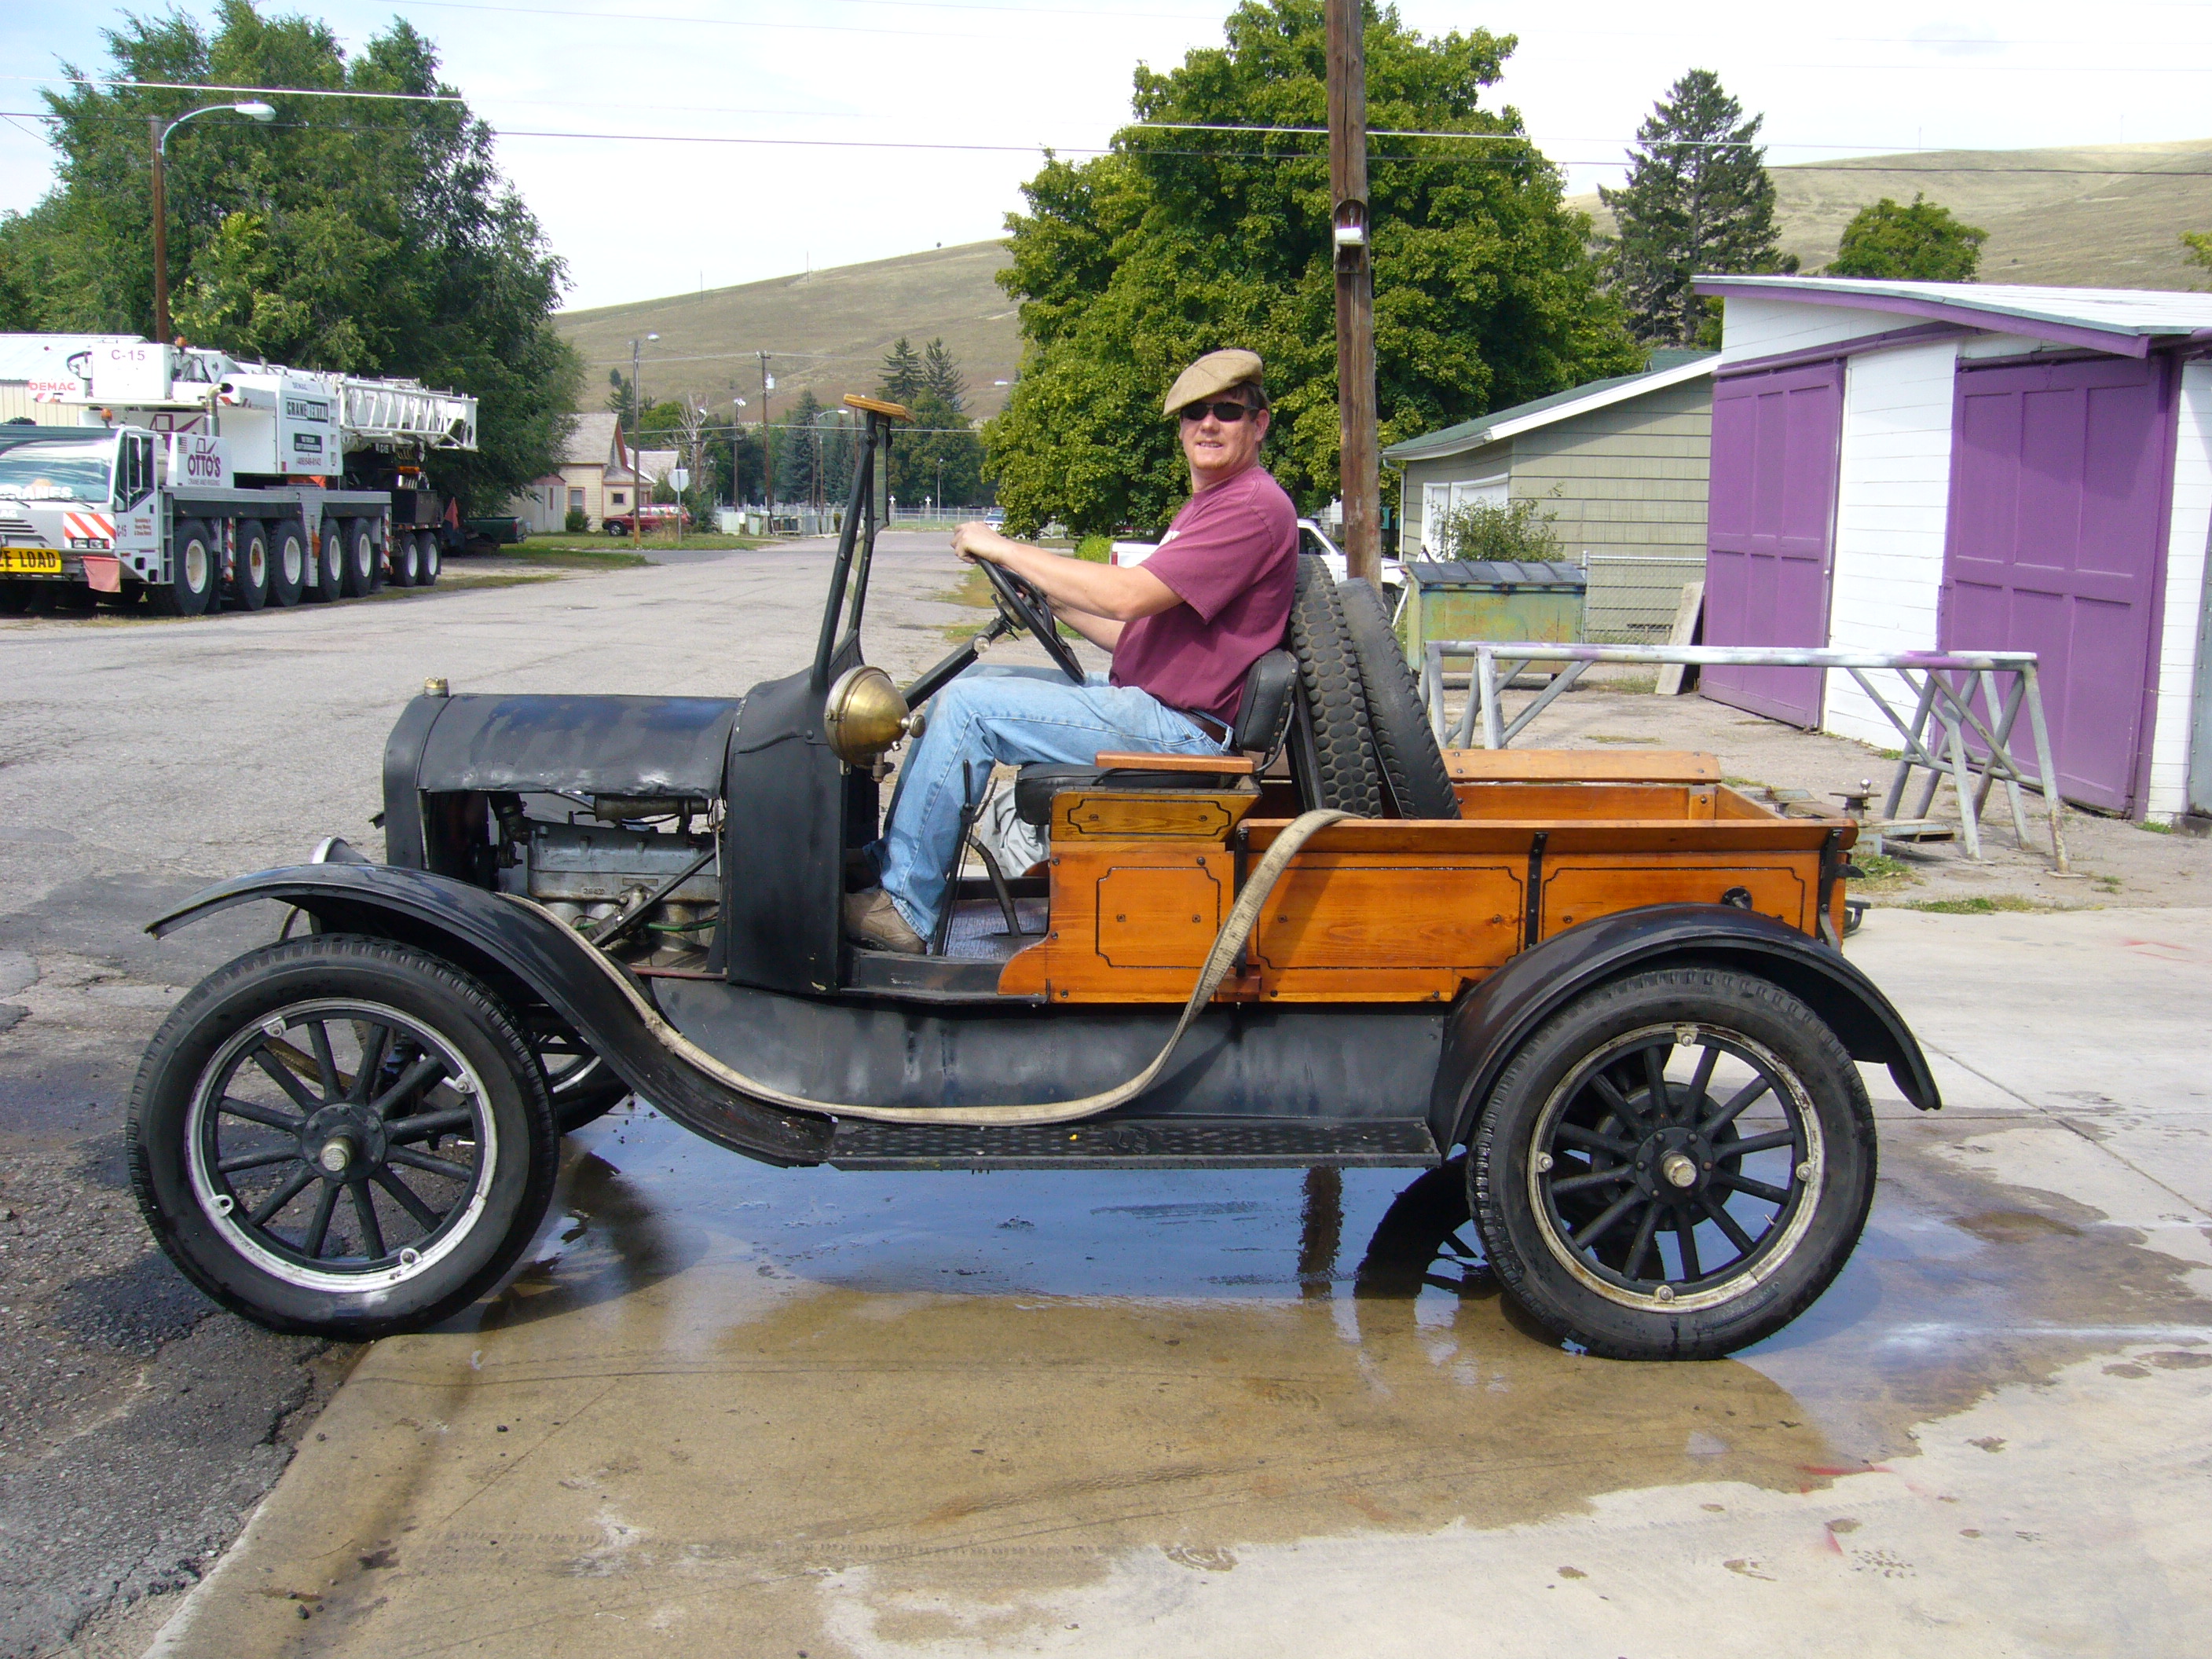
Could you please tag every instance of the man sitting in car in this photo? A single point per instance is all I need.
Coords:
(1184, 627)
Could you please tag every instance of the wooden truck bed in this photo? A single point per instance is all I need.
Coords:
(1399, 910)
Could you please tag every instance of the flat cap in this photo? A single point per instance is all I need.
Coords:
(1213, 373)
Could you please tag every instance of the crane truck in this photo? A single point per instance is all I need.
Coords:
(201, 481)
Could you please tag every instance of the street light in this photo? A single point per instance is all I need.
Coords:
(256, 111)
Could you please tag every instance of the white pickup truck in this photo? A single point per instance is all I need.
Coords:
(1312, 538)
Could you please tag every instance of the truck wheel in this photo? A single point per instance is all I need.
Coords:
(327, 561)
(1413, 771)
(341, 1137)
(358, 554)
(406, 560)
(288, 564)
(14, 598)
(1675, 1165)
(1334, 743)
(195, 566)
(430, 560)
(249, 569)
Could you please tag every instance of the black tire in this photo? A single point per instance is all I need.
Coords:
(1579, 1188)
(234, 1123)
(1334, 745)
(406, 560)
(431, 560)
(287, 563)
(327, 559)
(363, 572)
(1412, 766)
(14, 598)
(249, 568)
(195, 567)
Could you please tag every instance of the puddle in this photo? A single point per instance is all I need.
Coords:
(718, 1387)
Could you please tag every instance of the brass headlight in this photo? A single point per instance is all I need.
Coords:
(866, 715)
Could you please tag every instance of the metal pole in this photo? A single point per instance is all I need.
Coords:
(160, 237)
(636, 466)
(768, 458)
(1358, 476)
(2050, 773)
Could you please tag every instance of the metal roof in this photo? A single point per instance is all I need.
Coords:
(1544, 411)
(2124, 321)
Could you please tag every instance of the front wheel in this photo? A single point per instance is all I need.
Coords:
(341, 1137)
(1675, 1165)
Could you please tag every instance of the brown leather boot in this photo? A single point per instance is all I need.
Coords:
(873, 920)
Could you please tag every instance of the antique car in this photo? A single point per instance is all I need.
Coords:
(1611, 983)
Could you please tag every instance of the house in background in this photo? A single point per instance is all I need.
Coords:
(1902, 466)
(599, 471)
(1620, 466)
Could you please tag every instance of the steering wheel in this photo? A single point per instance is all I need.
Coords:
(1024, 606)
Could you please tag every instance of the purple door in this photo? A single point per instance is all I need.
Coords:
(1770, 533)
(2057, 528)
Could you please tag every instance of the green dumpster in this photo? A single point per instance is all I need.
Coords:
(1493, 599)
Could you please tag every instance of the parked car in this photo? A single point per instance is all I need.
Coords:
(658, 515)
(501, 530)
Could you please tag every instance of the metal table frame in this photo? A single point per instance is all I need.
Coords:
(1928, 675)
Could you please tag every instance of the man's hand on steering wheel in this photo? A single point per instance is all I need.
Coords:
(1019, 601)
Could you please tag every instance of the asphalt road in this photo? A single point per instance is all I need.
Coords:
(140, 760)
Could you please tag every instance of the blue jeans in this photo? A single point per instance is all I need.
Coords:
(1015, 715)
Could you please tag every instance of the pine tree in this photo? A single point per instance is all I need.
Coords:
(799, 461)
(903, 377)
(942, 375)
(1698, 203)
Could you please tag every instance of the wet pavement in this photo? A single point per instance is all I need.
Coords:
(733, 1409)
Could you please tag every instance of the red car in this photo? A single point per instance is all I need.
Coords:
(656, 515)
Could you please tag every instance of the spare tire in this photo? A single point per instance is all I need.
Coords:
(1334, 759)
(1412, 766)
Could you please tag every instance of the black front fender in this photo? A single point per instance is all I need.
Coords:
(1498, 1015)
(494, 937)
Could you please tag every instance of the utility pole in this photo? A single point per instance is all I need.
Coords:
(636, 463)
(768, 456)
(1358, 460)
(160, 237)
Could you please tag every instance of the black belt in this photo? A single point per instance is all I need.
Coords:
(1212, 728)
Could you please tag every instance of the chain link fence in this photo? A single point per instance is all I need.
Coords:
(1632, 600)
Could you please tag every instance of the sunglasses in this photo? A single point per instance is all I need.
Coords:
(1227, 414)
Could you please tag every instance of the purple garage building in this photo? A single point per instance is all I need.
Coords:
(1901, 466)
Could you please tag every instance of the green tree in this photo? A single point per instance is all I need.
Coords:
(938, 459)
(942, 375)
(840, 449)
(1698, 203)
(1177, 243)
(2199, 244)
(1519, 530)
(798, 462)
(1921, 243)
(904, 376)
(373, 237)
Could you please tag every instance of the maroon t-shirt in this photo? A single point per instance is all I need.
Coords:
(1232, 557)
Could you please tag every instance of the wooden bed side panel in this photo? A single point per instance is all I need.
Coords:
(1572, 802)
(1581, 887)
(1157, 815)
(1443, 837)
(1582, 765)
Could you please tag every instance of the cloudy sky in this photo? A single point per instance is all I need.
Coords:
(635, 130)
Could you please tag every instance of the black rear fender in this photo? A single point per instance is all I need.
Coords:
(1494, 1020)
(525, 956)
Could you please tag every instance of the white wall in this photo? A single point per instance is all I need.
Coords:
(1892, 504)
(1759, 327)
(2190, 524)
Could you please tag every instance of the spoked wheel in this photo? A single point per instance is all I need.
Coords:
(1674, 1165)
(341, 1136)
(584, 1086)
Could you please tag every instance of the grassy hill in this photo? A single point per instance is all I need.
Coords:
(843, 320)
(2054, 216)
(2101, 216)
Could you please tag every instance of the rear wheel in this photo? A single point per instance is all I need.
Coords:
(287, 563)
(1674, 1165)
(341, 1136)
(406, 560)
(195, 566)
(430, 560)
(327, 559)
(357, 557)
(249, 568)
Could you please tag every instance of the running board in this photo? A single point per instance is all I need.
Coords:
(1198, 1143)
